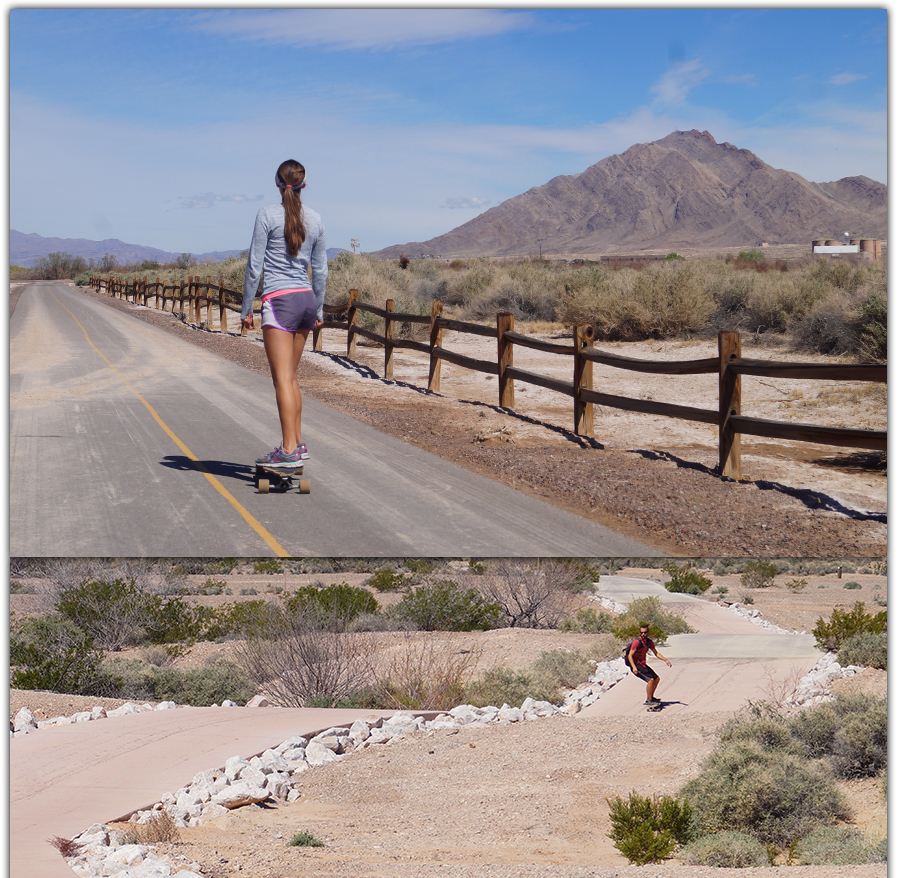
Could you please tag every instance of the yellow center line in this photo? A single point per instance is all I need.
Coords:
(270, 541)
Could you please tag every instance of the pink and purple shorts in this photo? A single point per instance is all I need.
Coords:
(290, 310)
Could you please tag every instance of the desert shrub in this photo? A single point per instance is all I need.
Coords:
(561, 667)
(766, 728)
(53, 653)
(842, 625)
(305, 839)
(797, 584)
(770, 794)
(867, 650)
(662, 623)
(852, 585)
(758, 574)
(425, 674)
(270, 567)
(21, 588)
(66, 846)
(387, 580)
(212, 586)
(442, 605)
(685, 580)
(587, 620)
(728, 849)
(239, 619)
(112, 612)
(335, 606)
(499, 686)
(604, 648)
(834, 846)
(871, 326)
(200, 687)
(646, 830)
(851, 730)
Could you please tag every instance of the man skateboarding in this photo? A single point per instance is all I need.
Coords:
(637, 659)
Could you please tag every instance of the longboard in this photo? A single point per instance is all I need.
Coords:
(655, 708)
(280, 479)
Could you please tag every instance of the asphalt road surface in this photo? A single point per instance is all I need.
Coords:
(127, 442)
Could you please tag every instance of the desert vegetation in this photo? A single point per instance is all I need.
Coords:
(820, 305)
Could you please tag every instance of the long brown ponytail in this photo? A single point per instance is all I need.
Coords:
(290, 179)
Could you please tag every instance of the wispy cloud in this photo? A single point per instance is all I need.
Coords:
(742, 79)
(460, 203)
(209, 199)
(383, 29)
(846, 78)
(676, 83)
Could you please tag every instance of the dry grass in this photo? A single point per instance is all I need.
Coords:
(160, 830)
(66, 846)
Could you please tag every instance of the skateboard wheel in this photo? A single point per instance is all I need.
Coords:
(304, 486)
(263, 486)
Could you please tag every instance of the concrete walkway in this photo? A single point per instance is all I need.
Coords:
(65, 778)
(729, 662)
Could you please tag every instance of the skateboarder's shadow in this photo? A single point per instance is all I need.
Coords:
(219, 468)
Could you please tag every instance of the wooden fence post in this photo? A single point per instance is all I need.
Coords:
(157, 293)
(223, 311)
(388, 338)
(583, 337)
(351, 324)
(729, 404)
(180, 299)
(208, 302)
(437, 335)
(505, 323)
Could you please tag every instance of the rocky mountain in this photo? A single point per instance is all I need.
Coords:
(25, 249)
(685, 190)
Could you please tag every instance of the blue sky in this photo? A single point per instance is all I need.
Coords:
(164, 127)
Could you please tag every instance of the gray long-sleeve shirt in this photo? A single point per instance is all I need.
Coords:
(309, 268)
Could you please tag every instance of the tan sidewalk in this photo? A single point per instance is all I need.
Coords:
(65, 778)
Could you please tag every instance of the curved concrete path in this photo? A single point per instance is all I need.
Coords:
(65, 778)
(728, 662)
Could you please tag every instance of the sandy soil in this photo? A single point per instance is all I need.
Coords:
(647, 477)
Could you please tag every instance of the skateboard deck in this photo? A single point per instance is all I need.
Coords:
(655, 708)
(279, 479)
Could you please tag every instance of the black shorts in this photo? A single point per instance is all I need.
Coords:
(645, 673)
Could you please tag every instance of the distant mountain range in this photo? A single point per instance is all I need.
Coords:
(25, 249)
(685, 190)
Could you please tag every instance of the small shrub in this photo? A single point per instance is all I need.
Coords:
(386, 580)
(662, 623)
(587, 620)
(336, 606)
(797, 584)
(728, 849)
(867, 650)
(842, 625)
(560, 667)
(305, 839)
(758, 574)
(212, 586)
(720, 589)
(160, 830)
(646, 830)
(747, 599)
(852, 585)
(685, 580)
(247, 592)
(16, 587)
(770, 731)
(770, 794)
(441, 605)
(833, 846)
(499, 686)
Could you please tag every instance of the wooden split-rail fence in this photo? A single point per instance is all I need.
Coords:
(729, 365)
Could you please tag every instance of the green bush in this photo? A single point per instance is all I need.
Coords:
(212, 586)
(386, 580)
(758, 574)
(852, 585)
(728, 849)
(53, 653)
(835, 846)
(769, 731)
(561, 667)
(662, 623)
(499, 686)
(240, 619)
(685, 580)
(305, 839)
(867, 650)
(646, 830)
(336, 606)
(441, 605)
(871, 326)
(269, 567)
(200, 687)
(770, 794)
(587, 620)
(842, 625)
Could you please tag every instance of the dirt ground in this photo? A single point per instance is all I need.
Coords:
(650, 478)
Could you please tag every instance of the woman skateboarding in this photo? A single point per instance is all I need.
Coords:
(288, 248)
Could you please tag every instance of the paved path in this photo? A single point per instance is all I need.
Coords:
(730, 661)
(148, 443)
(63, 779)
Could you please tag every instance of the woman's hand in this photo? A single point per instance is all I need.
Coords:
(247, 322)
(319, 324)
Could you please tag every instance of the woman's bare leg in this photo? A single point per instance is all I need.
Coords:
(283, 350)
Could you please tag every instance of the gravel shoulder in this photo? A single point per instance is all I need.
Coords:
(648, 478)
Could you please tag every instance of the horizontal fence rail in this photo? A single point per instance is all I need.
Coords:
(729, 365)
